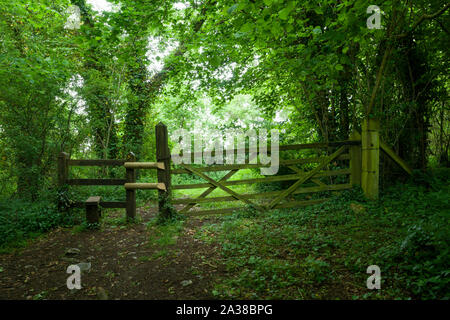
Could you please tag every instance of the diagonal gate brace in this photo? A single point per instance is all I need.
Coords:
(306, 177)
(219, 185)
(208, 191)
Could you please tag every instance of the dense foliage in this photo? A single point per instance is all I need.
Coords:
(312, 69)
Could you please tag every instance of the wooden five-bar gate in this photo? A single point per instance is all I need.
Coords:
(358, 159)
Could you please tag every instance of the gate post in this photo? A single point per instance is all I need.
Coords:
(355, 159)
(370, 141)
(63, 172)
(131, 193)
(163, 155)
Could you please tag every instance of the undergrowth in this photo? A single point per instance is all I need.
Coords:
(323, 251)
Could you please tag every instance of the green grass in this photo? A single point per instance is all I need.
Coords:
(323, 251)
(163, 237)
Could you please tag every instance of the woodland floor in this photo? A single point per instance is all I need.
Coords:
(316, 253)
(124, 263)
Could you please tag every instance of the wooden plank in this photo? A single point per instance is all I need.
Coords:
(103, 204)
(214, 211)
(113, 204)
(208, 191)
(320, 145)
(391, 153)
(96, 182)
(285, 162)
(95, 163)
(303, 178)
(225, 167)
(293, 204)
(286, 177)
(93, 200)
(144, 165)
(297, 170)
(279, 206)
(145, 186)
(266, 195)
(221, 186)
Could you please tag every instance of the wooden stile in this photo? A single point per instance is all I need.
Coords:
(144, 165)
(363, 156)
(145, 186)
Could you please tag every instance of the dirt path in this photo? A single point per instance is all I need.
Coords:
(124, 264)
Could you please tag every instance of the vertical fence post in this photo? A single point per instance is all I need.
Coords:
(63, 172)
(131, 193)
(163, 155)
(370, 141)
(355, 159)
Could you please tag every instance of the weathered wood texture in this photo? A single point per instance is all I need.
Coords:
(96, 163)
(305, 177)
(221, 186)
(145, 186)
(63, 168)
(103, 204)
(144, 165)
(222, 211)
(370, 154)
(387, 150)
(282, 148)
(284, 162)
(286, 177)
(207, 192)
(164, 176)
(263, 195)
(93, 211)
(95, 182)
(355, 160)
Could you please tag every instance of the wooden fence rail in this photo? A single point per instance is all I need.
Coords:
(358, 159)
(276, 197)
(129, 183)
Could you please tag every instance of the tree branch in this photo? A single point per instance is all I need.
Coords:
(422, 19)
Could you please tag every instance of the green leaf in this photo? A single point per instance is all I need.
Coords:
(284, 13)
(232, 8)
